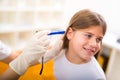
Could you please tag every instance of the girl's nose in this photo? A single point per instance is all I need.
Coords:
(93, 43)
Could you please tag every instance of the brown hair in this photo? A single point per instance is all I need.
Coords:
(84, 19)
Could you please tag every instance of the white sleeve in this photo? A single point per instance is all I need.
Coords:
(5, 51)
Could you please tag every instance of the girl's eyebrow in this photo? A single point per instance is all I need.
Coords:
(93, 34)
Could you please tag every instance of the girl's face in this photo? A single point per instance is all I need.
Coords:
(84, 43)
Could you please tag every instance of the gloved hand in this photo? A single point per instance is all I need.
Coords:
(33, 51)
(54, 51)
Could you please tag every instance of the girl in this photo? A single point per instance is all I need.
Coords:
(83, 40)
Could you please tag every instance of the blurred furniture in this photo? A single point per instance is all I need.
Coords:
(20, 18)
(111, 56)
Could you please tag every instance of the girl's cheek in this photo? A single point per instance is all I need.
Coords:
(83, 41)
(98, 48)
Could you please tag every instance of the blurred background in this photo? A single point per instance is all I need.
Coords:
(19, 19)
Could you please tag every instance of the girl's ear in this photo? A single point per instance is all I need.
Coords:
(70, 33)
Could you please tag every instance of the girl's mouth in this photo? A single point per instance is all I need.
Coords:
(89, 51)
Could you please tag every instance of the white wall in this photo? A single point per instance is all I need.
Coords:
(108, 8)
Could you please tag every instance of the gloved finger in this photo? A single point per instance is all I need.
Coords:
(39, 50)
(44, 43)
(53, 52)
(58, 45)
(41, 33)
(43, 38)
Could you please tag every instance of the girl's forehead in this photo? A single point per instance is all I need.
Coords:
(96, 30)
(92, 28)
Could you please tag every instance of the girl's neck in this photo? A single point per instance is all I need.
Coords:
(73, 58)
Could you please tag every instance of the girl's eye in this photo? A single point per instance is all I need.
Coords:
(98, 40)
(88, 35)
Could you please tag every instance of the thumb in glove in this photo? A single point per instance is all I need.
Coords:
(54, 51)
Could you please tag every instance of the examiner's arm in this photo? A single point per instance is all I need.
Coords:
(11, 57)
(9, 74)
(6, 54)
(34, 50)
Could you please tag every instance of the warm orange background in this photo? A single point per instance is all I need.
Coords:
(33, 72)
